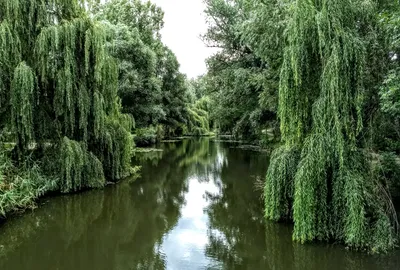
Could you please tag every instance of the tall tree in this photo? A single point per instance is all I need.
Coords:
(136, 44)
(174, 90)
(318, 177)
(151, 87)
(60, 85)
(244, 99)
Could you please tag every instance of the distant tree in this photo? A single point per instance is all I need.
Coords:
(239, 81)
(135, 26)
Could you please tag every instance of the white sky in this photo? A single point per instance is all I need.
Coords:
(184, 23)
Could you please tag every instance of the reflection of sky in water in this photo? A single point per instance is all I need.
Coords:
(185, 245)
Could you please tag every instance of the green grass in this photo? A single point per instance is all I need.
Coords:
(20, 188)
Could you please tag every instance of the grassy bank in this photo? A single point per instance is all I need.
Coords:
(22, 186)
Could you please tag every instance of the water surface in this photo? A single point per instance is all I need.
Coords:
(195, 207)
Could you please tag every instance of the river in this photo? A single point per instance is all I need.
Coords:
(196, 206)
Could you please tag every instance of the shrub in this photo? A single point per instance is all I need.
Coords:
(19, 188)
(145, 136)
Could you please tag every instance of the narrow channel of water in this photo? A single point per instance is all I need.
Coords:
(195, 207)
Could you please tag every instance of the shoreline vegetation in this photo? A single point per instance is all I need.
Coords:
(22, 187)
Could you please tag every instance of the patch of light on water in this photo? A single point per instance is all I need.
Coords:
(195, 197)
(185, 245)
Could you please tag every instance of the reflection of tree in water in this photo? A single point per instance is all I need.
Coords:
(236, 222)
(240, 238)
(203, 158)
(153, 156)
(95, 230)
(121, 227)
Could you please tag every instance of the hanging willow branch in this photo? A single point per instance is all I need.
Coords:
(22, 89)
(320, 107)
(64, 90)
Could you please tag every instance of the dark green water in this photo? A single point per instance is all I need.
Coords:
(195, 207)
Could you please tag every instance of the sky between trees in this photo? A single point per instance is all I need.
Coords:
(184, 23)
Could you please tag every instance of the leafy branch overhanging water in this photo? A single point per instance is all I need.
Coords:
(318, 177)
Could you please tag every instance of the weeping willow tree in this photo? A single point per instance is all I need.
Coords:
(60, 86)
(319, 177)
(198, 120)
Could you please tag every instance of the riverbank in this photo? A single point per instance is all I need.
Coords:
(151, 145)
(21, 187)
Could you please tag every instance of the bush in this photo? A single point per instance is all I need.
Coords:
(20, 187)
(145, 136)
(198, 122)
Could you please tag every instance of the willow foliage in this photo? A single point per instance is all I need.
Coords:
(327, 185)
(63, 90)
(198, 122)
(80, 167)
(22, 89)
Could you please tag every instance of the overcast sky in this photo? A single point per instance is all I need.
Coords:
(184, 23)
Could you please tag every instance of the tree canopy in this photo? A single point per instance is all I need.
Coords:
(77, 78)
(241, 84)
(151, 86)
(59, 84)
(318, 177)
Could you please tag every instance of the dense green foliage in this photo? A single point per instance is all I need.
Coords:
(174, 89)
(242, 87)
(319, 177)
(146, 136)
(135, 43)
(59, 95)
(198, 119)
(151, 87)
(20, 187)
(332, 67)
(388, 125)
